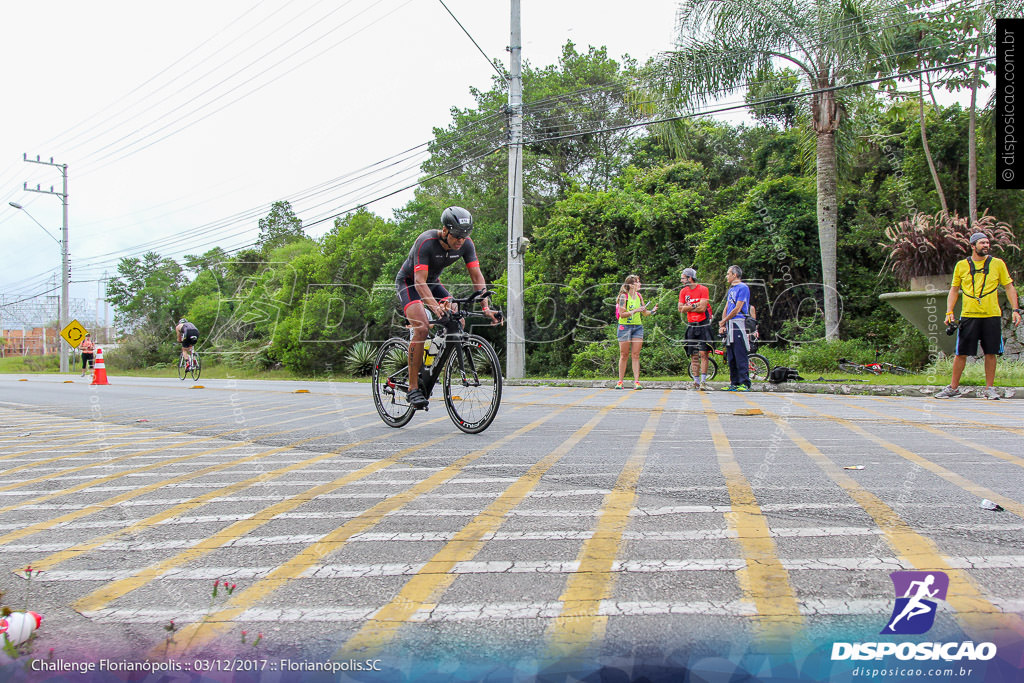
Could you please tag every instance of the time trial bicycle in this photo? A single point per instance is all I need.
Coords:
(467, 367)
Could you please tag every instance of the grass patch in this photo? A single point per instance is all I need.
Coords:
(13, 365)
(1008, 374)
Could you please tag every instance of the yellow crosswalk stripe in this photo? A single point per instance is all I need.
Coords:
(982, 620)
(427, 586)
(580, 625)
(200, 633)
(764, 581)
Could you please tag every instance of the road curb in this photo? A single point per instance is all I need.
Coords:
(918, 391)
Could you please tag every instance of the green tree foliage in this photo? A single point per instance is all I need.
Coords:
(725, 44)
(279, 227)
(599, 206)
(644, 224)
(144, 291)
(145, 294)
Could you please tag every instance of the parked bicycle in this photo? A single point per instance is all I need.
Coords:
(875, 368)
(759, 367)
(466, 365)
(192, 369)
(887, 367)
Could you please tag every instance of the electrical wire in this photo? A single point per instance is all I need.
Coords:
(480, 49)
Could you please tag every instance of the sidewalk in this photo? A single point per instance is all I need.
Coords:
(853, 389)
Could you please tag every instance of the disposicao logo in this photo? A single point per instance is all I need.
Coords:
(914, 612)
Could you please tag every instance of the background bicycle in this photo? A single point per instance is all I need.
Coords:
(466, 365)
(192, 370)
(759, 369)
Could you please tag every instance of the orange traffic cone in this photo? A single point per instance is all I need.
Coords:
(99, 375)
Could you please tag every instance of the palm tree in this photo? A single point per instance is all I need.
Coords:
(723, 44)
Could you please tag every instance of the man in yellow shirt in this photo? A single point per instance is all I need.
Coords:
(978, 277)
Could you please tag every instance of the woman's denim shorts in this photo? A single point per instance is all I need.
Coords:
(630, 332)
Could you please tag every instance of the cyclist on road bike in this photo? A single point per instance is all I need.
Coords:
(188, 335)
(419, 285)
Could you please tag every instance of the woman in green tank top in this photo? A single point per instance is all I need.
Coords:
(630, 307)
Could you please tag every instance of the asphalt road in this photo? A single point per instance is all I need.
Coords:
(583, 525)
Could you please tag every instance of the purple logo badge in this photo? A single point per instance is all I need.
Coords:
(914, 612)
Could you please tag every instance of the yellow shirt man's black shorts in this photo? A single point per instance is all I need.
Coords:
(988, 331)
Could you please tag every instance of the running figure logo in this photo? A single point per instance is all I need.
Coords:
(914, 612)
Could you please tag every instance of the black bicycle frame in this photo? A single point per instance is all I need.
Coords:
(454, 337)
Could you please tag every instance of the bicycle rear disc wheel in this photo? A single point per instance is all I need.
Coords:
(196, 367)
(390, 382)
(712, 370)
(759, 367)
(472, 394)
(181, 368)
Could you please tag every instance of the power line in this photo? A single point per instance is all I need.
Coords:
(770, 100)
(489, 61)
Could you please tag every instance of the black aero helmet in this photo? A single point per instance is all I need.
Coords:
(458, 221)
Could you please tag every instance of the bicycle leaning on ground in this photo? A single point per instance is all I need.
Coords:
(875, 368)
(759, 366)
(467, 365)
(193, 368)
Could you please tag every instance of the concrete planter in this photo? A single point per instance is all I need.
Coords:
(926, 311)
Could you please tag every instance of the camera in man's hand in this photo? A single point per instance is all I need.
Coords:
(951, 328)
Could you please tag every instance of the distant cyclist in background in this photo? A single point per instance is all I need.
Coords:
(419, 285)
(188, 335)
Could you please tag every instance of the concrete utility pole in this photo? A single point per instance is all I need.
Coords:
(64, 317)
(516, 341)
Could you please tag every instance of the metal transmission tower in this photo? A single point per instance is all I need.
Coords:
(65, 302)
(516, 342)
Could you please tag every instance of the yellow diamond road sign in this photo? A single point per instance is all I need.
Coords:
(74, 333)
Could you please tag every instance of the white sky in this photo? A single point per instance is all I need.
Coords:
(277, 96)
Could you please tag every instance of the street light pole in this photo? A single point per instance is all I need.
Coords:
(65, 301)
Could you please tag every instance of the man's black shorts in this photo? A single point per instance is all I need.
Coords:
(986, 330)
(698, 338)
(189, 342)
(407, 293)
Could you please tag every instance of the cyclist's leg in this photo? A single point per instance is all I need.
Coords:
(417, 316)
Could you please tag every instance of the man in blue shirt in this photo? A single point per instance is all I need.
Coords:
(733, 326)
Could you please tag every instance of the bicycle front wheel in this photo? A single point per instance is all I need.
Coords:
(472, 387)
(759, 367)
(390, 382)
(182, 373)
(712, 369)
(196, 369)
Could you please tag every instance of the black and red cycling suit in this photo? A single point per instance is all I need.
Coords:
(429, 254)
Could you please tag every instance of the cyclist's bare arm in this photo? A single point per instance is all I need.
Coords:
(480, 284)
